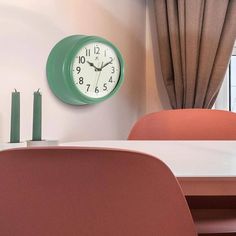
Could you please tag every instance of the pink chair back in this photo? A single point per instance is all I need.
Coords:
(185, 124)
(92, 192)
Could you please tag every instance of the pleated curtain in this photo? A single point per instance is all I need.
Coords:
(195, 39)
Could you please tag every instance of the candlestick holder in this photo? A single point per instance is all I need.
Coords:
(42, 143)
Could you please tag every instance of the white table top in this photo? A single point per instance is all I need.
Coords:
(185, 158)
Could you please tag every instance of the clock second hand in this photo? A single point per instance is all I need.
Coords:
(99, 76)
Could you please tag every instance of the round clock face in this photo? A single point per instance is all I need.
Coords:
(96, 70)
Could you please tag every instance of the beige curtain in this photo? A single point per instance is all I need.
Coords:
(195, 39)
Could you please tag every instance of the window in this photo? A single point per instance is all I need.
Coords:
(226, 99)
(232, 84)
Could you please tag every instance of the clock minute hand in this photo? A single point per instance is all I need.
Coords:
(91, 64)
(106, 64)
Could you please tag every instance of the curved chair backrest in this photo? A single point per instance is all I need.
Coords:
(93, 192)
(185, 124)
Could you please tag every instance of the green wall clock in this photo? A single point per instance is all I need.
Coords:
(84, 69)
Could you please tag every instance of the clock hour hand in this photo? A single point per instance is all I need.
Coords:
(91, 64)
(106, 64)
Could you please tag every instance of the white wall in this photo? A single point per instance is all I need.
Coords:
(28, 31)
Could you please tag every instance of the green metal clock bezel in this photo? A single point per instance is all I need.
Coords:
(71, 94)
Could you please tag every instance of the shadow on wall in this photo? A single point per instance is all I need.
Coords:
(118, 24)
(121, 29)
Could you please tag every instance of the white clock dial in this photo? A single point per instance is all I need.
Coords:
(96, 70)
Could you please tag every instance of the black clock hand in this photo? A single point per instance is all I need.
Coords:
(91, 64)
(106, 64)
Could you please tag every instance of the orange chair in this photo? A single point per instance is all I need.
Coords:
(94, 192)
(185, 124)
(195, 124)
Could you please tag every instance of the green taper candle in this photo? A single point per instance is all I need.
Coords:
(37, 117)
(15, 117)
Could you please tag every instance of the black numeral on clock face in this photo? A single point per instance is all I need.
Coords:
(96, 90)
(96, 50)
(78, 69)
(112, 69)
(110, 80)
(81, 59)
(88, 86)
(105, 87)
(81, 80)
(87, 52)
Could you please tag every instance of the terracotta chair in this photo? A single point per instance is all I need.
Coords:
(195, 124)
(92, 192)
(185, 124)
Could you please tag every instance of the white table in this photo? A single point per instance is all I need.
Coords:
(202, 167)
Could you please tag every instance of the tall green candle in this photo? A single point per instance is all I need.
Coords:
(15, 117)
(37, 117)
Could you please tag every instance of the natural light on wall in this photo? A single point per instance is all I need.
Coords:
(226, 99)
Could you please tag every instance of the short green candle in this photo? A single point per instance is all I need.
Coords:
(15, 117)
(37, 117)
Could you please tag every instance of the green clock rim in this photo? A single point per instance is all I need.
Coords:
(67, 68)
(56, 67)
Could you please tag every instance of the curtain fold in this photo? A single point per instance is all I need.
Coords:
(195, 39)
